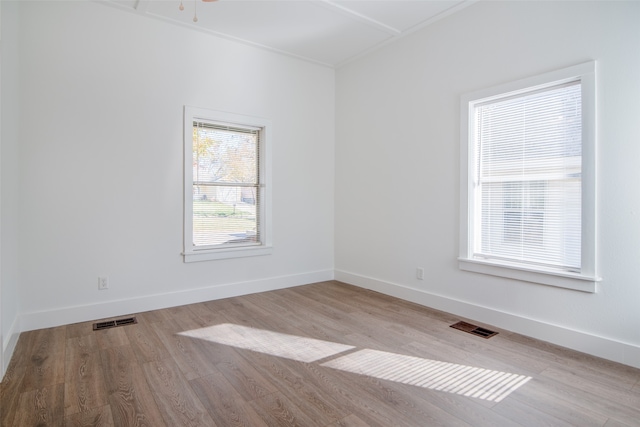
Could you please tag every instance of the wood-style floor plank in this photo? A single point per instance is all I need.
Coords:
(290, 378)
(208, 316)
(349, 421)
(145, 343)
(528, 415)
(326, 354)
(84, 386)
(112, 337)
(177, 402)
(77, 330)
(226, 405)
(130, 398)
(615, 423)
(402, 404)
(277, 410)
(45, 364)
(191, 359)
(559, 391)
(383, 402)
(41, 407)
(10, 390)
(153, 316)
(558, 408)
(246, 379)
(97, 417)
(613, 392)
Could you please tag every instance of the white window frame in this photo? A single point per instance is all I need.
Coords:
(191, 252)
(587, 278)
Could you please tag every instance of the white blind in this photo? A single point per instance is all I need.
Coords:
(528, 185)
(226, 185)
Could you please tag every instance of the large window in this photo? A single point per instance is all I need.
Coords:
(226, 177)
(528, 179)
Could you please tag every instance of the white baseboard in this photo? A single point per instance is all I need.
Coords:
(9, 345)
(69, 315)
(617, 351)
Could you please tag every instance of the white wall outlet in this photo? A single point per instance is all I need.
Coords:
(103, 283)
(420, 273)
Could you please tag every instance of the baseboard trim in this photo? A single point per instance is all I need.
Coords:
(607, 348)
(9, 342)
(69, 315)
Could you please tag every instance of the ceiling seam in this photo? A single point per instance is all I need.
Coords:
(328, 4)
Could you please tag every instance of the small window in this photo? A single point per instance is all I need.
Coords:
(528, 179)
(226, 185)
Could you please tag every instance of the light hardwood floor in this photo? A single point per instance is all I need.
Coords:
(326, 354)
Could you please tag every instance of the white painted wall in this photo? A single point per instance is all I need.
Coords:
(9, 182)
(99, 167)
(1, 329)
(397, 166)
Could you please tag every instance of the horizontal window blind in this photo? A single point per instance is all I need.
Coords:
(226, 185)
(528, 177)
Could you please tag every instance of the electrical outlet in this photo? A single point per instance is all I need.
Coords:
(420, 273)
(103, 283)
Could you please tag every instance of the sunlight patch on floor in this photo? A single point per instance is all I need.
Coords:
(468, 381)
(464, 380)
(274, 343)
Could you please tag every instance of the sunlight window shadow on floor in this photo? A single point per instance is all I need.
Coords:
(278, 344)
(480, 383)
(468, 381)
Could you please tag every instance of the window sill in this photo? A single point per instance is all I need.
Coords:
(213, 254)
(567, 280)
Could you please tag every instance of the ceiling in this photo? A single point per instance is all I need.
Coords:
(325, 32)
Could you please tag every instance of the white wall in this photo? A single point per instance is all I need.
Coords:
(100, 162)
(9, 182)
(397, 166)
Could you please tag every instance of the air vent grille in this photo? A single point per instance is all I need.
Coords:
(114, 323)
(473, 329)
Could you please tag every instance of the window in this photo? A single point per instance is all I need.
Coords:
(528, 179)
(226, 176)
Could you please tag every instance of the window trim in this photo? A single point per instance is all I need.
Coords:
(190, 252)
(587, 278)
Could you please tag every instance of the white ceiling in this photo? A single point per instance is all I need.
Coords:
(326, 32)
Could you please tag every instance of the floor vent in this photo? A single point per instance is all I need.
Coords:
(113, 323)
(473, 329)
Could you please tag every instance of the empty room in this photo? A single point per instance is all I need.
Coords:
(319, 213)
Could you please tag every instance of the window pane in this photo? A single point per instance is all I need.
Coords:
(533, 134)
(224, 155)
(225, 214)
